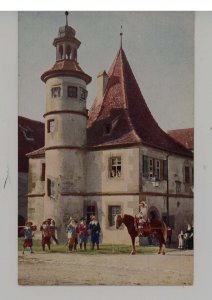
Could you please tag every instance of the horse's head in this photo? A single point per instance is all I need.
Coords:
(118, 221)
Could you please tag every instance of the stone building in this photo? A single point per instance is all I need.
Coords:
(30, 137)
(107, 161)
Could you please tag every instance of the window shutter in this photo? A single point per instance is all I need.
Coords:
(154, 167)
(110, 215)
(187, 174)
(145, 166)
(109, 167)
(161, 169)
(165, 169)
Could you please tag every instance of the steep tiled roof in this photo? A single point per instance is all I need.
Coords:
(30, 137)
(184, 136)
(126, 114)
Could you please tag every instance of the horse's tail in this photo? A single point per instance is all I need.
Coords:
(164, 231)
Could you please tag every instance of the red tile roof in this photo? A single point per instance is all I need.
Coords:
(184, 136)
(66, 68)
(124, 109)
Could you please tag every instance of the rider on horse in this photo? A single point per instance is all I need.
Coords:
(141, 219)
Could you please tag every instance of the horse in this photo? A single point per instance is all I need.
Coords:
(155, 227)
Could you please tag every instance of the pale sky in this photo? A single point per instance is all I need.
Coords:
(159, 47)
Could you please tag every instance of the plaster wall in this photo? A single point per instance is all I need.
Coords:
(98, 175)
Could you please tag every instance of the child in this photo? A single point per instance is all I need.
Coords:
(82, 234)
(181, 239)
(28, 235)
(46, 234)
(71, 231)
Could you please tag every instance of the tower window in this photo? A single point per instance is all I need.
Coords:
(83, 94)
(68, 52)
(43, 167)
(72, 91)
(115, 166)
(50, 125)
(107, 129)
(56, 92)
(51, 188)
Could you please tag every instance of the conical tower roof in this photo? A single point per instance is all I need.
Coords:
(123, 117)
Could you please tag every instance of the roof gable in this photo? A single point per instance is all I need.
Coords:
(123, 99)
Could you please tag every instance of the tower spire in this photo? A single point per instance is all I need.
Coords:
(66, 13)
(121, 34)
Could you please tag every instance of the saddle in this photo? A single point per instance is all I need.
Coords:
(144, 229)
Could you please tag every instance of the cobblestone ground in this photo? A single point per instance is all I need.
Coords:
(174, 268)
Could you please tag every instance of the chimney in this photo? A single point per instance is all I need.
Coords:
(102, 79)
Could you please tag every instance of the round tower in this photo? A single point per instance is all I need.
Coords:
(65, 131)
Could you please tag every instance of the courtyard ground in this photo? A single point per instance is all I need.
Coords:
(101, 268)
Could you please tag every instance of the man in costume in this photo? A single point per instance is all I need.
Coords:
(95, 232)
(28, 235)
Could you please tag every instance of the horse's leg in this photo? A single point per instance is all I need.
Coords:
(133, 245)
(163, 245)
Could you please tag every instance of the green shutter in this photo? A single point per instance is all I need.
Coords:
(165, 169)
(145, 166)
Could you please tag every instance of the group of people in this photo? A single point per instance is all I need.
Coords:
(77, 233)
(186, 239)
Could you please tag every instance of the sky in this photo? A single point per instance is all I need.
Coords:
(159, 47)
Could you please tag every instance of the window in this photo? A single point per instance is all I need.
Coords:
(112, 212)
(157, 169)
(43, 167)
(187, 174)
(107, 129)
(50, 125)
(151, 167)
(83, 94)
(90, 210)
(56, 92)
(115, 167)
(154, 168)
(51, 188)
(72, 91)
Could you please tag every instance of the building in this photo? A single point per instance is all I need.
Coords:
(30, 137)
(104, 163)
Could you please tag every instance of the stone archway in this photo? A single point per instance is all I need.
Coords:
(153, 213)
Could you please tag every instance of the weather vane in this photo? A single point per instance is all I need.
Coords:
(66, 13)
(121, 34)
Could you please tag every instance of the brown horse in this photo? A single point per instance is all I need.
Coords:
(155, 227)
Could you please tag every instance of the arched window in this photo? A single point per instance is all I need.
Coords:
(68, 52)
(61, 52)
